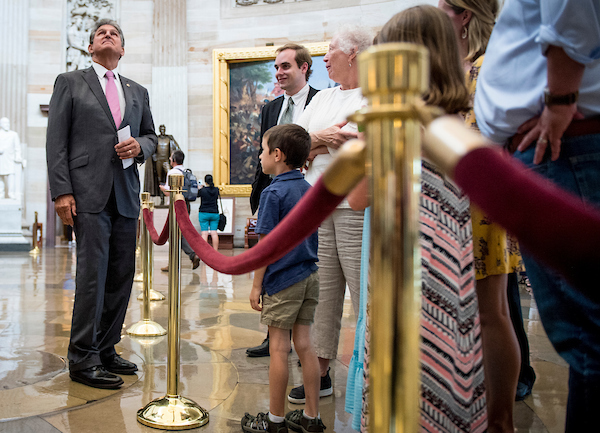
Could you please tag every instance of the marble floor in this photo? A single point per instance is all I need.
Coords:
(217, 325)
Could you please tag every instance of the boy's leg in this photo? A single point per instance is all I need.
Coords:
(311, 372)
(279, 347)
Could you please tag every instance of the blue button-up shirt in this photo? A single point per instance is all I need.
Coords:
(511, 82)
(276, 201)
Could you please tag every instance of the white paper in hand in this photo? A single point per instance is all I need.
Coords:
(124, 134)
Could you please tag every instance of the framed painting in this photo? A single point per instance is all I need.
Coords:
(244, 81)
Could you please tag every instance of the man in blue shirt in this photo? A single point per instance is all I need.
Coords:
(538, 92)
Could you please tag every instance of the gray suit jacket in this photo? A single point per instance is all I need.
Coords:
(80, 142)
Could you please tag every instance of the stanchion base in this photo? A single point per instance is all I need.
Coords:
(139, 277)
(154, 296)
(146, 328)
(172, 413)
(34, 252)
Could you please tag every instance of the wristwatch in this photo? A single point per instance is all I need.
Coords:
(552, 99)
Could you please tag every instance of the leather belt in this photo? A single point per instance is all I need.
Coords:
(576, 128)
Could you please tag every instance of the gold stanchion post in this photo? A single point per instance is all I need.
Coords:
(146, 327)
(139, 276)
(35, 248)
(153, 294)
(173, 412)
(393, 77)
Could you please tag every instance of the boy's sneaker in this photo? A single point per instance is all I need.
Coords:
(261, 424)
(296, 421)
(297, 394)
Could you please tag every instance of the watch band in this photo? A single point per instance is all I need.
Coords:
(552, 99)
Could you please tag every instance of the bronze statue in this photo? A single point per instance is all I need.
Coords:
(156, 170)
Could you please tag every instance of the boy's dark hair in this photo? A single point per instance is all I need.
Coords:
(292, 140)
(178, 157)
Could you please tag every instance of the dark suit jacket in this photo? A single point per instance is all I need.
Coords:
(80, 142)
(269, 116)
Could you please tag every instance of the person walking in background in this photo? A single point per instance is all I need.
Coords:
(176, 161)
(208, 215)
(94, 183)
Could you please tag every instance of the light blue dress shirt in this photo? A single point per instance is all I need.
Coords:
(512, 79)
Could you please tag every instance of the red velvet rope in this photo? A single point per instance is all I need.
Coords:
(149, 220)
(550, 223)
(303, 219)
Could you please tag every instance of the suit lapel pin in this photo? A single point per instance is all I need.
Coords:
(128, 85)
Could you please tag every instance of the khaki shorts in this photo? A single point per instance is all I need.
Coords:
(296, 304)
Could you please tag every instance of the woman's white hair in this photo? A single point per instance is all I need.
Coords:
(353, 35)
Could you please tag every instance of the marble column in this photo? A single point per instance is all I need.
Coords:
(169, 97)
(14, 22)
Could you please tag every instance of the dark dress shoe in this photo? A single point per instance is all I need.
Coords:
(195, 261)
(96, 377)
(119, 365)
(260, 350)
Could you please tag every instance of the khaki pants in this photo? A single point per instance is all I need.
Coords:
(340, 241)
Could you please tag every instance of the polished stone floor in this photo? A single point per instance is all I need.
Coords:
(217, 325)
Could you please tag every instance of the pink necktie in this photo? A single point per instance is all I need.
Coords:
(112, 96)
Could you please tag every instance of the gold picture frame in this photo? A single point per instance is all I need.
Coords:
(223, 60)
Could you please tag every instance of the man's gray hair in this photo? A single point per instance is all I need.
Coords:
(103, 22)
(353, 35)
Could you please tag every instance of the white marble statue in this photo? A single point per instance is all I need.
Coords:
(10, 155)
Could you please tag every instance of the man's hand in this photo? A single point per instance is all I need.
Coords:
(129, 148)
(255, 298)
(332, 137)
(564, 77)
(65, 208)
(548, 129)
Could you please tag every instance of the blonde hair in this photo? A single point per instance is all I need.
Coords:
(431, 27)
(483, 18)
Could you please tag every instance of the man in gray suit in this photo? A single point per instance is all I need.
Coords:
(96, 191)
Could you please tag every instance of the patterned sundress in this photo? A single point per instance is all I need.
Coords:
(496, 252)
